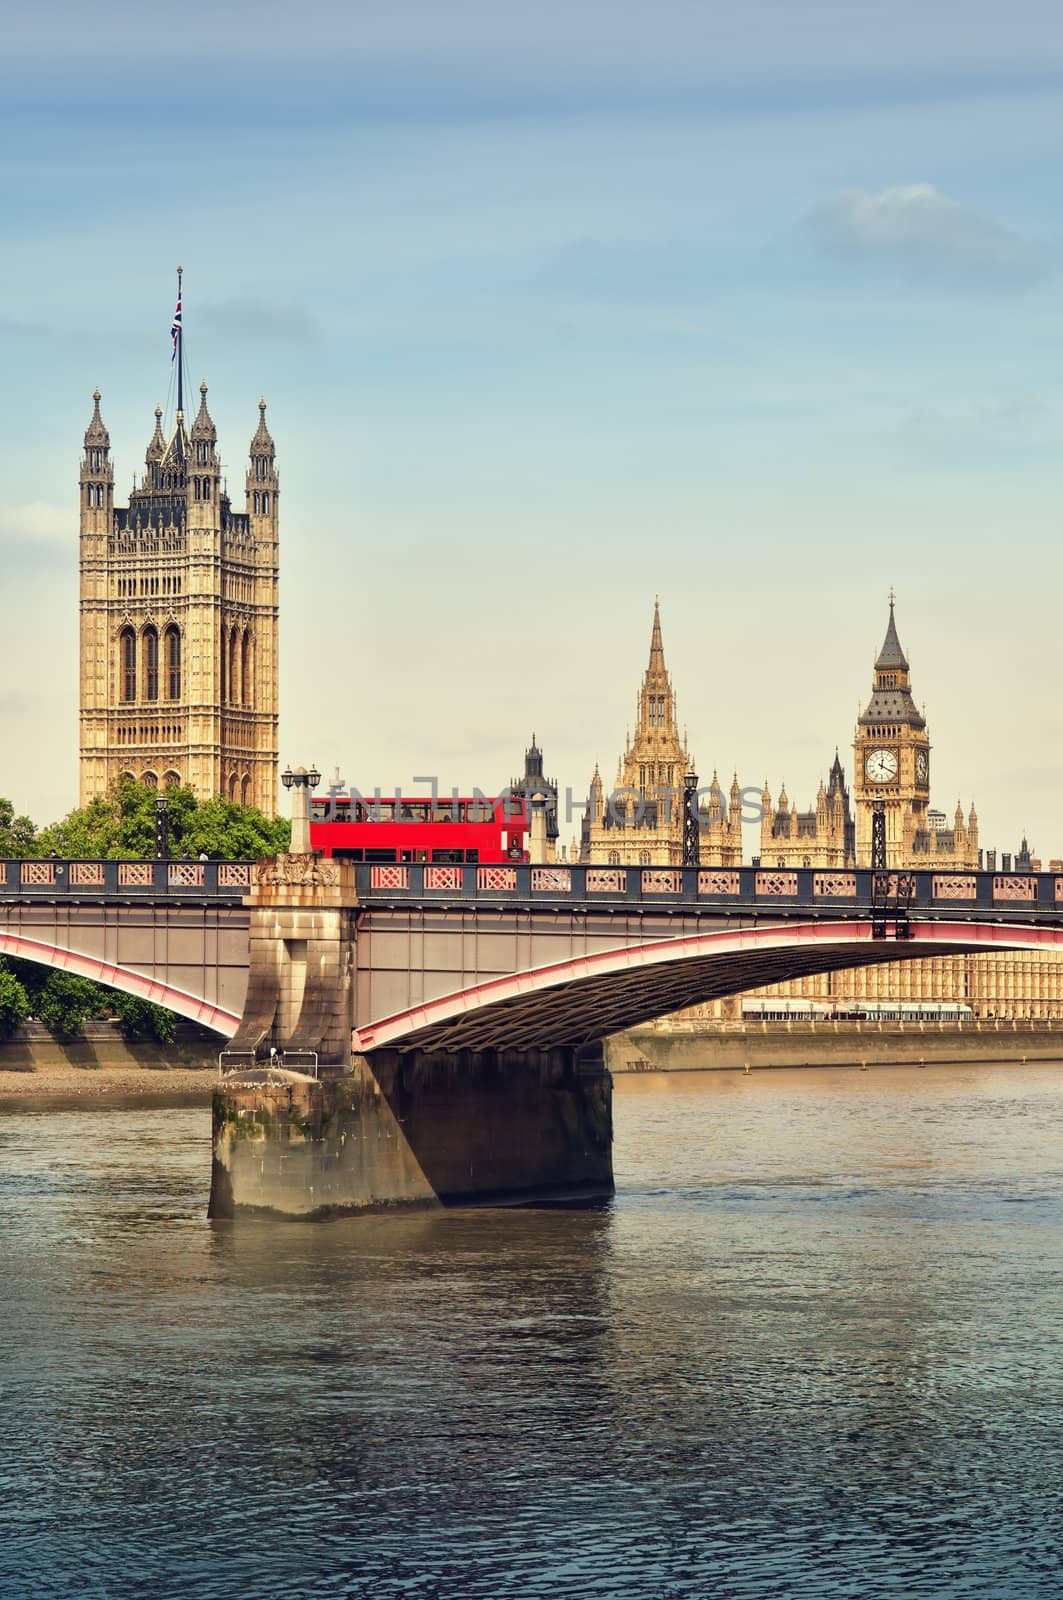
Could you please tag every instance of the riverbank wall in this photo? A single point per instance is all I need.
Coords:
(32, 1048)
(829, 1044)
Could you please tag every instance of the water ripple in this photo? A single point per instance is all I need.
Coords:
(812, 1350)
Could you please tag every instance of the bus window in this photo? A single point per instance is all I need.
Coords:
(348, 855)
(478, 811)
(472, 855)
(452, 857)
(380, 855)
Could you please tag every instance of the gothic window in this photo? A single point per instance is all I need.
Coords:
(246, 662)
(172, 780)
(258, 501)
(234, 670)
(151, 664)
(614, 858)
(644, 858)
(150, 780)
(233, 781)
(173, 664)
(127, 648)
(265, 502)
(245, 791)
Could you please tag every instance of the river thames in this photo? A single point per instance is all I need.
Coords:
(814, 1348)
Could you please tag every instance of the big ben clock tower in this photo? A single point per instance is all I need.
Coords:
(892, 759)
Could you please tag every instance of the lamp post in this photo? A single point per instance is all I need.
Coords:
(691, 822)
(301, 781)
(162, 829)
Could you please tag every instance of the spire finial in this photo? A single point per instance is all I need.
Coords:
(893, 597)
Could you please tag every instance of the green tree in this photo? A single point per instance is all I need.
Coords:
(121, 826)
(18, 836)
(141, 1019)
(65, 1001)
(14, 1002)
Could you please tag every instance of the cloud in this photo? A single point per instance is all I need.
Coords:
(246, 320)
(916, 227)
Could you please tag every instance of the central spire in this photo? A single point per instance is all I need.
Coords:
(656, 644)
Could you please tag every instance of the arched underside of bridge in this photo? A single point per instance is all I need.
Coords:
(577, 1001)
(140, 984)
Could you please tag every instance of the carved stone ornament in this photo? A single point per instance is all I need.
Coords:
(307, 871)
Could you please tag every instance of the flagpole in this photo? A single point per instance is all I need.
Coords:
(180, 351)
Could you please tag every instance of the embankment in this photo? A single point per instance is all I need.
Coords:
(830, 1044)
(100, 1065)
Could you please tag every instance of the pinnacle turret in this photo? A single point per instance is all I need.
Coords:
(203, 428)
(96, 434)
(157, 448)
(262, 442)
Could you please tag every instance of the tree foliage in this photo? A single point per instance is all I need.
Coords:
(141, 1019)
(18, 836)
(14, 1002)
(66, 1001)
(121, 826)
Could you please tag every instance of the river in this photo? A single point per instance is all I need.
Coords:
(812, 1349)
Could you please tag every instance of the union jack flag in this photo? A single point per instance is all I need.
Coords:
(175, 328)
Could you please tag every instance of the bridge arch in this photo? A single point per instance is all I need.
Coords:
(123, 978)
(589, 996)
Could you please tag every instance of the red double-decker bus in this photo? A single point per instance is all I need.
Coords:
(454, 830)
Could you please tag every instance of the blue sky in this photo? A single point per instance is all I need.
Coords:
(756, 308)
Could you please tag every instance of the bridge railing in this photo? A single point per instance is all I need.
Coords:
(762, 887)
(50, 877)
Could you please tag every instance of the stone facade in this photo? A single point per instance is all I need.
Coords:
(641, 822)
(994, 984)
(179, 618)
(822, 837)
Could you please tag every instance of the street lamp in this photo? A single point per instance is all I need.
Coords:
(162, 829)
(302, 781)
(691, 821)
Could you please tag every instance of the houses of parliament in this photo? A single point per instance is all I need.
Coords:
(179, 615)
(641, 823)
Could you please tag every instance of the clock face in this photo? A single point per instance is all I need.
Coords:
(881, 766)
(922, 765)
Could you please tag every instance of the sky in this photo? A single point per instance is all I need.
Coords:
(557, 308)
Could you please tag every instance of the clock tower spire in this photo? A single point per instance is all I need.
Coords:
(892, 758)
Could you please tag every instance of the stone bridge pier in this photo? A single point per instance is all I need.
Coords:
(305, 1126)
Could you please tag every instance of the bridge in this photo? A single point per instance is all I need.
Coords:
(433, 1034)
(459, 957)
(418, 1034)
(173, 932)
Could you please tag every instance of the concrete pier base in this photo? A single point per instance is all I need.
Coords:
(415, 1130)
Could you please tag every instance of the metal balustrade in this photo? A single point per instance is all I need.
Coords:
(1010, 896)
(51, 879)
